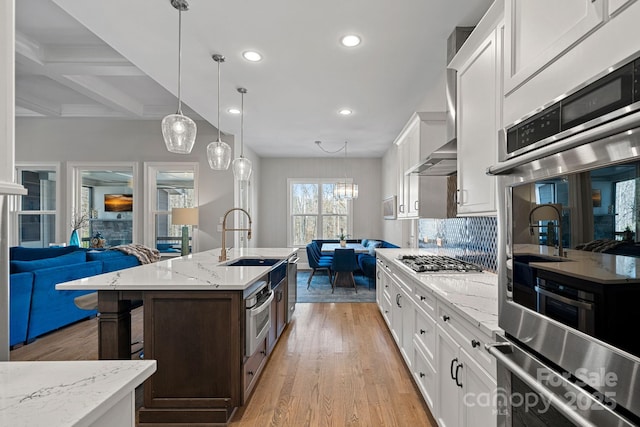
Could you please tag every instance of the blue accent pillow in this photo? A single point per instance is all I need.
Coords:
(372, 245)
(38, 264)
(365, 242)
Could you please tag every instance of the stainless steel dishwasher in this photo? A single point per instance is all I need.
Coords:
(292, 281)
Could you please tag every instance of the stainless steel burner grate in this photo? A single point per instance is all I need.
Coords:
(438, 263)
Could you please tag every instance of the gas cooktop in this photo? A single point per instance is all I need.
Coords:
(438, 264)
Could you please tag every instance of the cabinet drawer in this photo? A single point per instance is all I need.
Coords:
(252, 368)
(468, 337)
(425, 300)
(425, 376)
(425, 332)
(386, 309)
(403, 281)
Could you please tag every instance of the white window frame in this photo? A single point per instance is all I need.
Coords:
(74, 189)
(16, 207)
(319, 182)
(151, 198)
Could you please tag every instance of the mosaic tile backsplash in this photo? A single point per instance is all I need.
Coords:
(473, 239)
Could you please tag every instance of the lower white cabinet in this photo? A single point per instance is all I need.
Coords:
(443, 350)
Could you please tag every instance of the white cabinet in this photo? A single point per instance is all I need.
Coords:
(479, 116)
(539, 32)
(420, 196)
(443, 350)
(402, 319)
(465, 388)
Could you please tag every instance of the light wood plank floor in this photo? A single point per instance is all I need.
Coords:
(335, 365)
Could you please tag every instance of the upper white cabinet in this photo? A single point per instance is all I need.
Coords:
(420, 196)
(538, 32)
(479, 113)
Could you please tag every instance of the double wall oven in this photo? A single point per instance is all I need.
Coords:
(568, 261)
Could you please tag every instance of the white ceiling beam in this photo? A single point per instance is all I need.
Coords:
(37, 105)
(29, 56)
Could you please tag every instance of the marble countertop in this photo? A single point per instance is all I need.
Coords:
(64, 394)
(592, 266)
(473, 295)
(200, 271)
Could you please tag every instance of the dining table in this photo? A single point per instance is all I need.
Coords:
(331, 247)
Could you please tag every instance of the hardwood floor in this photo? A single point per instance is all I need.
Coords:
(335, 365)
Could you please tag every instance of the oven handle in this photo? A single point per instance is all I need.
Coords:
(262, 306)
(557, 402)
(568, 301)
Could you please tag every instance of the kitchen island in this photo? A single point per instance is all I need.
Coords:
(194, 326)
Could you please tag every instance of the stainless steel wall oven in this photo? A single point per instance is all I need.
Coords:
(568, 258)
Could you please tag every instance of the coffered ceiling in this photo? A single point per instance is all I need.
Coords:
(118, 59)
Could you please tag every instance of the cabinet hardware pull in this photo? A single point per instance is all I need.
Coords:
(250, 373)
(458, 197)
(263, 352)
(453, 362)
(475, 343)
(456, 378)
(422, 298)
(422, 375)
(401, 208)
(416, 205)
(280, 294)
(445, 318)
(422, 332)
(398, 300)
(386, 312)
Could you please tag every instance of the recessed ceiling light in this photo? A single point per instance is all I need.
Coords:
(350, 40)
(251, 55)
(233, 111)
(345, 112)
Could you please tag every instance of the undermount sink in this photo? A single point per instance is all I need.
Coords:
(260, 262)
(526, 259)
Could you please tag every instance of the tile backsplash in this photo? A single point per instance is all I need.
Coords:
(473, 239)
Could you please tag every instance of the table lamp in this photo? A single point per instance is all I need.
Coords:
(184, 217)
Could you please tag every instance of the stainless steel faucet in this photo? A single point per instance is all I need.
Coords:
(558, 214)
(223, 251)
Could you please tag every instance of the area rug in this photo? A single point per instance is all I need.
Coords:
(320, 289)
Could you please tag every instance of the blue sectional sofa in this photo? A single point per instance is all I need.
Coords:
(35, 306)
(366, 261)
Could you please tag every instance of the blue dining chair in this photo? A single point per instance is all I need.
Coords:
(344, 262)
(317, 262)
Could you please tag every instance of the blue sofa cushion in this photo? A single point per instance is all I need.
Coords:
(20, 253)
(51, 308)
(38, 264)
(20, 289)
(372, 245)
(96, 255)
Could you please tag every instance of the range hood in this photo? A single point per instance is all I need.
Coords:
(443, 161)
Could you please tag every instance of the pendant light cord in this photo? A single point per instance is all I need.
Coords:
(242, 124)
(219, 98)
(179, 59)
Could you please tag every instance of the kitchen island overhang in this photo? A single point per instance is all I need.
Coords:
(194, 326)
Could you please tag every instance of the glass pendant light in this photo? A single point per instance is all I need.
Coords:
(178, 130)
(219, 152)
(242, 165)
(343, 189)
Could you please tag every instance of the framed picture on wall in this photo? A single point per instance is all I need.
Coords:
(389, 207)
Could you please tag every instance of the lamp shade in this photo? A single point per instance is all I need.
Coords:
(242, 169)
(184, 216)
(179, 133)
(219, 155)
(345, 190)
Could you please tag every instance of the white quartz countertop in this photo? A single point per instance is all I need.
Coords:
(593, 266)
(66, 394)
(473, 295)
(201, 271)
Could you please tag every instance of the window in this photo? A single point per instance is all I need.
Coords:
(625, 205)
(35, 212)
(169, 185)
(92, 186)
(315, 213)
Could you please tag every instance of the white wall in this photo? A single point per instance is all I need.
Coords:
(273, 192)
(105, 140)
